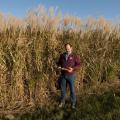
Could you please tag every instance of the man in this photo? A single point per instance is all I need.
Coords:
(68, 63)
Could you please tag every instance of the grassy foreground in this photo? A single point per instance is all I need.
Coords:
(91, 105)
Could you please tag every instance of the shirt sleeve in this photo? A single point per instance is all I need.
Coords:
(77, 62)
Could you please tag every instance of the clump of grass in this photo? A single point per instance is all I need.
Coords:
(100, 106)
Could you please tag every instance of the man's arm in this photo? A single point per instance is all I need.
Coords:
(77, 62)
(59, 64)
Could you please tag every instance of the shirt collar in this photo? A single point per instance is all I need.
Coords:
(68, 53)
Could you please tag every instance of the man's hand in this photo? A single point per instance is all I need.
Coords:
(70, 69)
(59, 68)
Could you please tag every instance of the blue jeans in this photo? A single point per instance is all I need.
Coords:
(70, 80)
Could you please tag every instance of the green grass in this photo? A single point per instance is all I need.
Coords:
(94, 106)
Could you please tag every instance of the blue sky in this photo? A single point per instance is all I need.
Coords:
(110, 9)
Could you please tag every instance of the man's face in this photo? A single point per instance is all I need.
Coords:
(68, 48)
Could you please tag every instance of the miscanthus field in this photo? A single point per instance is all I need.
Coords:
(29, 50)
